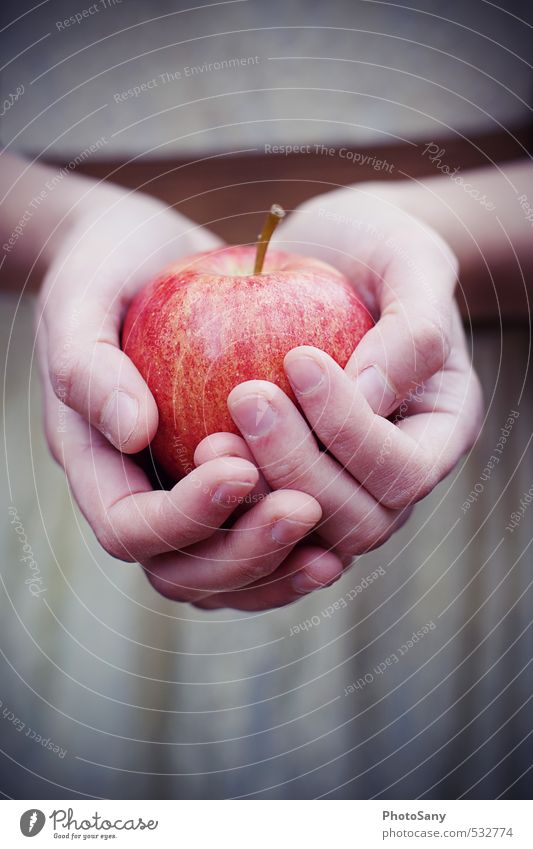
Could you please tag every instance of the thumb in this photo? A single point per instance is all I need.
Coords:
(411, 340)
(90, 374)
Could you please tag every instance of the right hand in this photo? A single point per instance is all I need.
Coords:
(98, 410)
(414, 364)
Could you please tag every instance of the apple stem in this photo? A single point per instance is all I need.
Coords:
(272, 220)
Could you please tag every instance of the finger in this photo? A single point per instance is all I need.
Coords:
(90, 374)
(76, 446)
(255, 546)
(221, 445)
(131, 521)
(232, 445)
(306, 569)
(151, 523)
(398, 463)
(447, 418)
(288, 454)
(97, 474)
(411, 340)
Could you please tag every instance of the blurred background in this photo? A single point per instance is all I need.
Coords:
(108, 690)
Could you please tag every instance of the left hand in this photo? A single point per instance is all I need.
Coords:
(178, 536)
(413, 363)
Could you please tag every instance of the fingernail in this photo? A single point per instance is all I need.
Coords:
(119, 417)
(304, 373)
(254, 415)
(288, 531)
(230, 494)
(377, 391)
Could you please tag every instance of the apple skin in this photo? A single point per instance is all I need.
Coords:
(207, 323)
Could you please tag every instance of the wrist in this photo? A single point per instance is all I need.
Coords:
(433, 202)
(427, 211)
(126, 227)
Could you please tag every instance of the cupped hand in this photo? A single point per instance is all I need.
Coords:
(98, 410)
(406, 407)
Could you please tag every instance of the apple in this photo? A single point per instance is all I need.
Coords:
(214, 320)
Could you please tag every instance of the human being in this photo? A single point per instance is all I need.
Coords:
(394, 422)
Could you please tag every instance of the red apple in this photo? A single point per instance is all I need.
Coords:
(212, 321)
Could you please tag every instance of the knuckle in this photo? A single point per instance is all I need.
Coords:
(180, 526)
(397, 500)
(53, 439)
(111, 543)
(358, 529)
(54, 449)
(476, 416)
(162, 586)
(374, 535)
(249, 571)
(169, 588)
(432, 346)
(207, 603)
(65, 372)
(364, 539)
(336, 437)
(448, 255)
(288, 470)
(366, 536)
(405, 490)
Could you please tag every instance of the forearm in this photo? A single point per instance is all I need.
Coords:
(494, 245)
(39, 205)
(43, 207)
